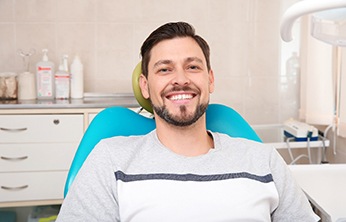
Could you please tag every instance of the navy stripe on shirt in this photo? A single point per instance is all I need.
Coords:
(119, 175)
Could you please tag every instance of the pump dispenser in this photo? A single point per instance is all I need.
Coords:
(62, 80)
(45, 77)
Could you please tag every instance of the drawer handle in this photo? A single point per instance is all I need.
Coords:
(13, 130)
(15, 188)
(14, 158)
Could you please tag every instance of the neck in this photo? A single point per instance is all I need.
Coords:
(191, 140)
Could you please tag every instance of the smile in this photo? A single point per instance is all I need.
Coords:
(181, 97)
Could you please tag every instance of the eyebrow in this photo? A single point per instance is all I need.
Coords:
(167, 61)
(196, 59)
(163, 62)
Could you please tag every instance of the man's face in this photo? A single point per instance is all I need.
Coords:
(178, 82)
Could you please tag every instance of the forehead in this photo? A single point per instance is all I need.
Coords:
(175, 50)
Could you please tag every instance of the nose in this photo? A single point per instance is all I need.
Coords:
(180, 78)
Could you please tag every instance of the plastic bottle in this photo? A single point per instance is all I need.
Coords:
(62, 83)
(45, 78)
(65, 62)
(293, 65)
(77, 79)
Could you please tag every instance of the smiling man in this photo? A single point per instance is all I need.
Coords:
(181, 171)
(178, 80)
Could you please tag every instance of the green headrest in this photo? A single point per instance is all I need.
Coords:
(145, 103)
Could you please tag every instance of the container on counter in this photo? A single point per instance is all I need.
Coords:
(26, 86)
(77, 79)
(45, 78)
(62, 84)
(8, 86)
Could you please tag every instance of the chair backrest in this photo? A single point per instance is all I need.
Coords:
(121, 121)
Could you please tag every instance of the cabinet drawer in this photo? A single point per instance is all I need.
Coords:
(40, 128)
(36, 156)
(32, 186)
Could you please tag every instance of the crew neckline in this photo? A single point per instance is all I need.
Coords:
(163, 148)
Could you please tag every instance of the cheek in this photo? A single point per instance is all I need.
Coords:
(156, 87)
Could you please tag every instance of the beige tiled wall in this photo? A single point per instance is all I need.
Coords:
(107, 34)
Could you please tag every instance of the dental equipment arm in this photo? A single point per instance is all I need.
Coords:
(305, 7)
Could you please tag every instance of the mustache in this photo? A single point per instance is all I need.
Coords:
(179, 89)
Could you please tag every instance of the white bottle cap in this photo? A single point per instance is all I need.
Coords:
(45, 56)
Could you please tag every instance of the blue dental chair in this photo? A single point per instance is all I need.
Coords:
(121, 121)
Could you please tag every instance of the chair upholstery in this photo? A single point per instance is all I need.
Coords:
(121, 121)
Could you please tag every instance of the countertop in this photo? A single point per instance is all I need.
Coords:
(90, 100)
(324, 184)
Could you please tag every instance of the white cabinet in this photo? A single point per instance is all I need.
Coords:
(38, 140)
(40, 128)
(32, 186)
(36, 151)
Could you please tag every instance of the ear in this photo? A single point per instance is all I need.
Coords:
(211, 81)
(143, 84)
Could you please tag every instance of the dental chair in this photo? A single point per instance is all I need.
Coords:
(121, 121)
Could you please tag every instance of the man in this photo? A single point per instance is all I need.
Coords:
(181, 171)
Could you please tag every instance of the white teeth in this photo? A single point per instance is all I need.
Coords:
(181, 97)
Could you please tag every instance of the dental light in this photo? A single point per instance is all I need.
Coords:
(328, 20)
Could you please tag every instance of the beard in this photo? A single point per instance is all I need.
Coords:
(184, 119)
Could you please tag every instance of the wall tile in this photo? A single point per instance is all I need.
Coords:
(261, 100)
(114, 85)
(156, 10)
(6, 10)
(114, 53)
(191, 12)
(7, 48)
(230, 90)
(35, 10)
(267, 10)
(228, 42)
(116, 10)
(76, 10)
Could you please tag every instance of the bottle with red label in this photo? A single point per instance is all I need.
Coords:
(62, 80)
(45, 84)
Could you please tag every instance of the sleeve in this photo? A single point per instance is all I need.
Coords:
(293, 203)
(92, 196)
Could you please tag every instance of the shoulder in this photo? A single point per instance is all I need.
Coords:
(225, 140)
(245, 153)
(126, 143)
(123, 148)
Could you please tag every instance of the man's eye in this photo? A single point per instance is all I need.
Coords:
(164, 70)
(194, 67)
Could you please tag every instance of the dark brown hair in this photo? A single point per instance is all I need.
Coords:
(169, 31)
